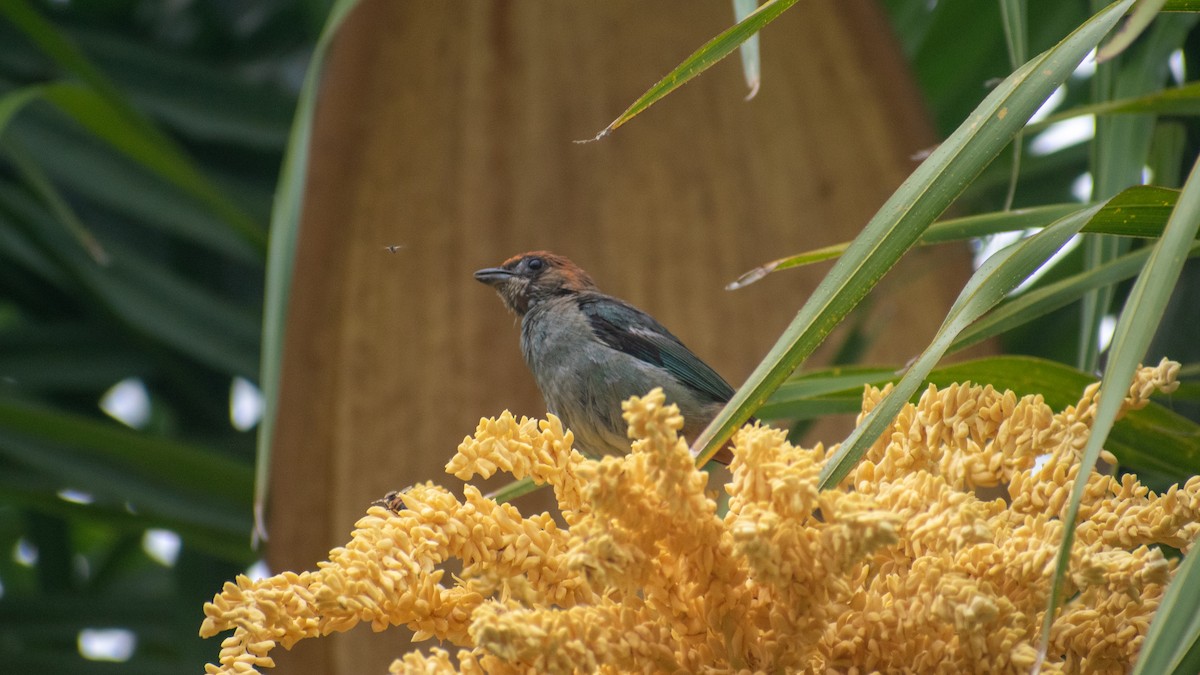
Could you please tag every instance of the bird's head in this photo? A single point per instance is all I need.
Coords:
(526, 279)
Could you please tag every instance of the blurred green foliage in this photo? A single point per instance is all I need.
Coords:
(140, 144)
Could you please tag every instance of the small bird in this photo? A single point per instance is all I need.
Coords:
(589, 352)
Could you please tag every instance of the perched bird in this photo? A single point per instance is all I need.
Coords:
(589, 352)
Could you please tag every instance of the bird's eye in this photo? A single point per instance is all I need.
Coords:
(535, 264)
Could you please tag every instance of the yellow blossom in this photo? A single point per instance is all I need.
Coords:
(901, 568)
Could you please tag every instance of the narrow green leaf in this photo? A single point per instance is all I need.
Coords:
(1013, 15)
(836, 391)
(998, 275)
(833, 380)
(1181, 100)
(1119, 152)
(751, 63)
(1042, 301)
(712, 52)
(1167, 147)
(1140, 211)
(285, 232)
(1135, 328)
(1016, 33)
(1189, 662)
(1097, 251)
(796, 410)
(1139, 20)
(517, 488)
(906, 215)
(799, 260)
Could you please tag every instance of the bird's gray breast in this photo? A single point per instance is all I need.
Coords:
(583, 380)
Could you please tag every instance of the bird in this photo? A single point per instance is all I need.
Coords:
(589, 351)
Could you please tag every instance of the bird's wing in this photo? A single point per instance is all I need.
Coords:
(627, 329)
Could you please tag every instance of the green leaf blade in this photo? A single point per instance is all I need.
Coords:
(990, 283)
(701, 60)
(906, 215)
(1135, 329)
(285, 234)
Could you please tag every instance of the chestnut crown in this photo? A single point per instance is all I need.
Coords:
(528, 278)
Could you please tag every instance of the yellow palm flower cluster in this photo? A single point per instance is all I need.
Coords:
(901, 568)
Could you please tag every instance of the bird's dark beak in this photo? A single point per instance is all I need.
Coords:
(493, 276)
